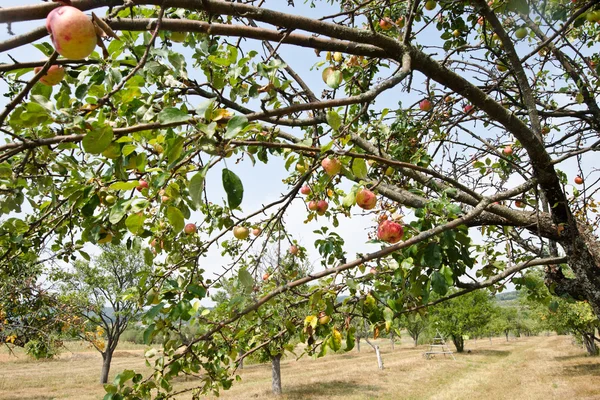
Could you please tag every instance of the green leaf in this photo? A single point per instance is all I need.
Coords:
(124, 185)
(135, 222)
(118, 211)
(235, 125)
(433, 255)
(98, 139)
(171, 115)
(123, 377)
(246, 279)
(359, 168)
(438, 283)
(175, 217)
(111, 389)
(197, 186)
(233, 187)
(174, 149)
(149, 332)
(334, 120)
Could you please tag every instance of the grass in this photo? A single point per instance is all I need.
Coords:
(544, 367)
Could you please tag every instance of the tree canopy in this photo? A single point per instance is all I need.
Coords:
(464, 131)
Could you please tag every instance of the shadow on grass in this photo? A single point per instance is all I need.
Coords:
(569, 358)
(29, 398)
(582, 369)
(332, 388)
(488, 353)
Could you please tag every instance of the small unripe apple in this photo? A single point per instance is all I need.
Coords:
(189, 228)
(400, 22)
(545, 130)
(521, 33)
(324, 319)
(425, 105)
(241, 232)
(332, 166)
(266, 276)
(430, 5)
(322, 206)
(178, 36)
(294, 250)
(508, 150)
(385, 24)
(110, 199)
(256, 231)
(366, 199)
(165, 199)
(456, 33)
(578, 180)
(390, 231)
(305, 190)
(54, 76)
(337, 56)
(72, 32)
(501, 67)
(142, 184)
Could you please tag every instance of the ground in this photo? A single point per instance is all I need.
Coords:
(544, 367)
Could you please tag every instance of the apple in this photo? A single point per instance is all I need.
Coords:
(480, 21)
(256, 231)
(508, 150)
(53, 76)
(578, 180)
(178, 36)
(332, 77)
(110, 199)
(385, 24)
(456, 33)
(266, 276)
(241, 232)
(373, 270)
(400, 22)
(189, 229)
(165, 199)
(294, 250)
(545, 130)
(142, 185)
(430, 5)
(322, 206)
(337, 56)
(305, 190)
(521, 33)
(519, 204)
(425, 105)
(312, 205)
(390, 231)
(382, 217)
(366, 199)
(501, 67)
(468, 108)
(72, 32)
(332, 166)
(324, 318)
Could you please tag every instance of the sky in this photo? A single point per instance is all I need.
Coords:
(263, 183)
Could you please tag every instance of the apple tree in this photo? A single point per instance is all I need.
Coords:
(465, 130)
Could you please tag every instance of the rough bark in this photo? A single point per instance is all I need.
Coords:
(459, 343)
(276, 374)
(590, 344)
(358, 344)
(106, 360)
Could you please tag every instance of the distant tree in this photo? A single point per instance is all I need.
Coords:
(504, 320)
(461, 316)
(415, 324)
(99, 289)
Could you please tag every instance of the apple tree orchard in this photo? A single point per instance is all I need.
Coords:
(492, 131)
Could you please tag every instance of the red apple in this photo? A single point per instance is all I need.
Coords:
(294, 250)
(55, 74)
(425, 105)
(322, 206)
(332, 166)
(508, 150)
(72, 32)
(241, 232)
(390, 231)
(468, 108)
(519, 204)
(578, 180)
(189, 229)
(142, 185)
(266, 276)
(366, 199)
(256, 231)
(385, 24)
(305, 190)
(312, 205)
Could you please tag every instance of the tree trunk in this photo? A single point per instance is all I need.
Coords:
(276, 374)
(392, 340)
(416, 339)
(459, 342)
(106, 360)
(358, 344)
(506, 333)
(590, 344)
(377, 353)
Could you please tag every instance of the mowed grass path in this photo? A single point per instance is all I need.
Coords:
(526, 368)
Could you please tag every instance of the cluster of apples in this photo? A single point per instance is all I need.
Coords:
(73, 35)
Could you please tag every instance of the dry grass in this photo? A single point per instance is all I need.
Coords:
(527, 368)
